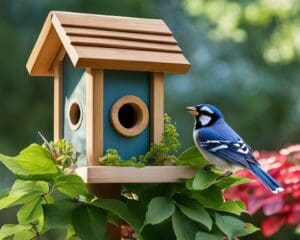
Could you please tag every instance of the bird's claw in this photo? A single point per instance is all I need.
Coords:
(226, 174)
(208, 166)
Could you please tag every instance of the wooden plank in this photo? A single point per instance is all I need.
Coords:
(127, 24)
(111, 58)
(94, 139)
(149, 174)
(157, 106)
(44, 51)
(59, 58)
(86, 32)
(123, 44)
(58, 102)
(94, 115)
(65, 40)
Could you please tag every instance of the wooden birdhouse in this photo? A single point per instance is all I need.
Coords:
(108, 80)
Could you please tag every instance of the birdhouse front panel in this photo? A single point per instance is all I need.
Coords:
(123, 124)
(74, 108)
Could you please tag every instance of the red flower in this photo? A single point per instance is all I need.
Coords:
(279, 209)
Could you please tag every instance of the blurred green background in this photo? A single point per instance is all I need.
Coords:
(244, 56)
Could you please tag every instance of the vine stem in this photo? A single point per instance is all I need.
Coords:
(38, 237)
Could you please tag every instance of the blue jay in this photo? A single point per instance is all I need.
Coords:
(223, 147)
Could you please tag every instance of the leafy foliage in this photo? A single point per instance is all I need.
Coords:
(159, 153)
(56, 199)
(162, 153)
(62, 152)
(112, 158)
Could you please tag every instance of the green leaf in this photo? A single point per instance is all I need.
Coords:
(12, 165)
(89, 222)
(202, 180)
(232, 181)
(4, 192)
(235, 207)
(191, 157)
(71, 234)
(11, 229)
(159, 209)
(162, 231)
(71, 185)
(34, 162)
(23, 191)
(58, 214)
(184, 228)
(30, 211)
(211, 197)
(209, 236)
(119, 208)
(32, 187)
(193, 210)
(26, 234)
(233, 227)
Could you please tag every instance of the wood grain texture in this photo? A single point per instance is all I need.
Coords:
(157, 106)
(94, 115)
(149, 174)
(128, 59)
(65, 39)
(123, 44)
(44, 51)
(128, 24)
(58, 58)
(107, 42)
(110, 34)
(58, 102)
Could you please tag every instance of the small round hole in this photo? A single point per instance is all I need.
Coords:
(75, 114)
(128, 115)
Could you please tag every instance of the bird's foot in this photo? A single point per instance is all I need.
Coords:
(226, 174)
(208, 166)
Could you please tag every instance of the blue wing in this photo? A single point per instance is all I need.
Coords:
(222, 141)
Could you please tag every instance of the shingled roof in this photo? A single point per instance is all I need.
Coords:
(107, 42)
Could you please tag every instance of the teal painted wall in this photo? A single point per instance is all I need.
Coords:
(116, 85)
(74, 86)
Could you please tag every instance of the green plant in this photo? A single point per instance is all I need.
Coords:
(159, 153)
(49, 198)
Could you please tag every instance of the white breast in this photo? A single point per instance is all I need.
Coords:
(218, 162)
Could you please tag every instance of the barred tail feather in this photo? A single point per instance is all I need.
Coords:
(266, 179)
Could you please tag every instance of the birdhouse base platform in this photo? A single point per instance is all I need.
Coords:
(149, 174)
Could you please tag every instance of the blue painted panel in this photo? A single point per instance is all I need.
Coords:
(116, 85)
(74, 86)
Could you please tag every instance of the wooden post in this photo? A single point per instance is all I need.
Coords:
(94, 139)
(157, 106)
(58, 101)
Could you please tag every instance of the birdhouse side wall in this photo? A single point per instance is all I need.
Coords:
(118, 84)
(74, 94)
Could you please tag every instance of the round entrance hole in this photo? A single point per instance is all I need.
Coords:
(129, 116)
(75, 114)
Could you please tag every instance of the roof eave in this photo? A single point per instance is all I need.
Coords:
(134, 65)
(44, 51)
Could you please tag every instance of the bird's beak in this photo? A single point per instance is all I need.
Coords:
(193, 111)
